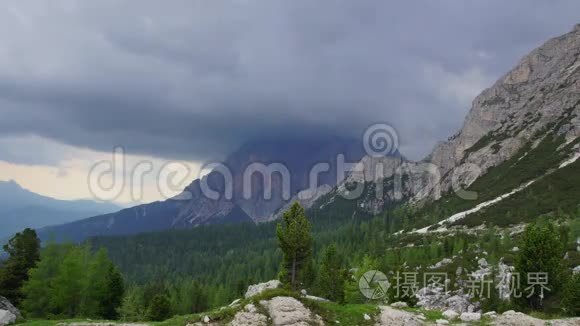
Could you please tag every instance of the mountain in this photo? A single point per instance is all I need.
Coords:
(20, 208)
(515, 160)
(520, 138)
(244, 202)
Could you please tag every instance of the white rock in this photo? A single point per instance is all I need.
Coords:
(441, 322)
(243, 318)
(399, 305)
(7, 318)
(288, 311)
(444, 262)
(450, 314)
(366, 317)
(311, 297)
(470, 316)
(256, 289)
(421, 317)
(576, 270)
(206, 319)
(394, 317)
(250, 308)
(490, 315)
(6, 305)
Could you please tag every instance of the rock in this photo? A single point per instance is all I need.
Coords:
(490, 315)
(421, 317)
(482, 263)
(244, 318)
(303, 292)
(515, 249)
(206, 319)
(89, 323)
(399, 305)
(470, 316)
(444, 262)
(366, 317)
(441, 322)
(521, 103)
(458, 303)
(256, 289)
(288, 311)
(311, 297)
(6, 305)
(513, 318)
(7, 318)
(576, 269)
(450, 314)
(250, 308)
(394, 317)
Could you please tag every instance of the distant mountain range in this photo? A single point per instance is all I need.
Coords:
(192, 208)
(20, 208)
(521, 134)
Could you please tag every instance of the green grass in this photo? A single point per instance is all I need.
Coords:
(346, 314)
(44, 322)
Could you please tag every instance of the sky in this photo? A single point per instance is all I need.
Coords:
(188, 81)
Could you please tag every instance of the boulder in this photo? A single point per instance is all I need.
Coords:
(490, 315)
(512, 318)
(6, 305)
(441, 322)
(244, 318)
(399, 305)
(576, 269)
(256, 289)
(450, 314)
(394, 317)
(251, 308)
(7, 318)
(289, 311)
(470, 316)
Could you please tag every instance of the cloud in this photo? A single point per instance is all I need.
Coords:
(194, 79)
(66, 172)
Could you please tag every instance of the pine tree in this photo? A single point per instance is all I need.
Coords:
(70, 281)
(295, 241)
(571, 296)
(132, 306)
(159, 309)
(331, 276)
(541, 251)
(24, 253)
(115, 290)
(95, 292)
(39, 289)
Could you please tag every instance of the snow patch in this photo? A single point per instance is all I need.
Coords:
(477, 208)
(570, 160)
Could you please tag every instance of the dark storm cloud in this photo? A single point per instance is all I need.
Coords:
(195, 79)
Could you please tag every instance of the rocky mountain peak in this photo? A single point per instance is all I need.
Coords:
(542, 90)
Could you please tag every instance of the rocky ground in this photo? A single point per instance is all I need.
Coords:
(281, 310)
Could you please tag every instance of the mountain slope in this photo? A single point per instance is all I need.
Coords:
(20, 208)
(193, 208)
(522, 128)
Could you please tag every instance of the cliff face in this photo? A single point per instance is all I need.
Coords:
(542, 92)
(540, 96)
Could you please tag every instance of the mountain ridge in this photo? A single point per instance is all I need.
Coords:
(21, 208)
